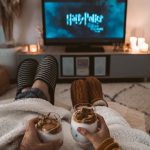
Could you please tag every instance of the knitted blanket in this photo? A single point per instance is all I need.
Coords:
(15, 115)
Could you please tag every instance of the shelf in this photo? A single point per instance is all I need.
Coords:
(119, 65)
(62, 52)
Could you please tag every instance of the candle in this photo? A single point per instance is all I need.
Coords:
(144, 47)
(33, 48)
(26, 49)
(133, 42)
(141, 42)
(135, 49)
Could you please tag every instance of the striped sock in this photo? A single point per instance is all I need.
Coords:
(48, 72)
(26, 74)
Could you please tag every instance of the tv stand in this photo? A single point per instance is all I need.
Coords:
(104, 65)
(84, 48)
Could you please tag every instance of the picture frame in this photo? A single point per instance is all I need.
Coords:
(67, 66)
(82, 66)
(100, 66)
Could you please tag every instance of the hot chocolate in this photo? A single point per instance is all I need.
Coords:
(84, 117)
(49, 127)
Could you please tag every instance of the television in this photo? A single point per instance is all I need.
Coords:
(84, 22)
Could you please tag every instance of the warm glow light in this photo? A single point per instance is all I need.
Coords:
(26, 49)
(135, 49)
(133, 43)
(33, 48)
(133, 39)
(144, 47)
(141, 42)
(138, 44)
(38, 47)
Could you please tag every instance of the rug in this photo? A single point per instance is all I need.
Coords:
(133, 95)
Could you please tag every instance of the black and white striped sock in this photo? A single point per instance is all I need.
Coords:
(26, 74)
(48, 72)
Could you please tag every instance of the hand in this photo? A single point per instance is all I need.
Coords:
(97, 138)
(31, 140)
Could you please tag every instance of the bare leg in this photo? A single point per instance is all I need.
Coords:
(25, 89)
(43, 87)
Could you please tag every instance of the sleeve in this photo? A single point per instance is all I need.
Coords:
(109, 144)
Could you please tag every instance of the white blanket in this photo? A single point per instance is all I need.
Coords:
(15, 115)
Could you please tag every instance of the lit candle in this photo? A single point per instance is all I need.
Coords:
(135, 49)
(26, 49)
(133, 42)
(141, 42)
(33, 48)
(144, 47)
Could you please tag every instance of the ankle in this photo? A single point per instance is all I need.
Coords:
(99, 102)
(25, 89)
(41, 85)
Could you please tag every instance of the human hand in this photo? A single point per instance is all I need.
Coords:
(97, 138)
(31, 141)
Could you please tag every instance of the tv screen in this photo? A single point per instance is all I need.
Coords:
(84, 22)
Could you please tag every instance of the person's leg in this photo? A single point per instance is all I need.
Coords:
(79, 92)
(25, 75)
(44, 81)
(25, 81)
(95, 92)
(46, 77)
(87, 91)
(42, 86)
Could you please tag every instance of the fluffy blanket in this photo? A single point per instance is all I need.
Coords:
(15, 115)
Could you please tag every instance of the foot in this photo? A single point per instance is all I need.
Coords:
(95, 91)
(39, 84)
(25, 75)
(48, 72)
(79, 92)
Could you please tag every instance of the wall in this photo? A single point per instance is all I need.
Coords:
(138, 20)
(25, 27)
